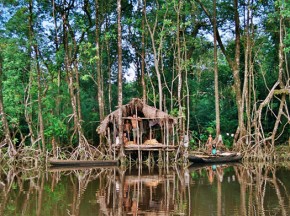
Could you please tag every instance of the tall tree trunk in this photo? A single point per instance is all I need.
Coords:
(248, 70)
(39, 89)
(98, 62)
(39, 100)
(178, 67)
(5, 126)
(281, 48)
(216, 81)
(120, 79)
(280, 77)
(185, 54)
(77, 88)
(109, 66)
(56, 42)
(71, 67)
(236, 71)
(109, 78)
(143, 55)
(245, 94)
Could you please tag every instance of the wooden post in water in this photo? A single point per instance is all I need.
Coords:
(110, 141)
(114, 138)
(167, 141)
(160, 162)
(173, 135)
(137, 133)
(149, 159)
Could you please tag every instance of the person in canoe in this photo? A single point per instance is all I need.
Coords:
(212, 146)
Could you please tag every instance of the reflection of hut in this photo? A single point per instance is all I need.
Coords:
(151, 193)
(156, 129)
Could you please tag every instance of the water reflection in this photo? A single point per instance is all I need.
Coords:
(144, 192)
(235, 189)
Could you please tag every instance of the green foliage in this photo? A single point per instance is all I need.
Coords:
(20, 90)
(210, 130)
(175, 112)
(192, 145)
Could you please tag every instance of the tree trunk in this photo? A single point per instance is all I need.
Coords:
(39, 100)
(72, 78)
(247, 87)
(39, 89)
(216, 82)
(280, 79)
(178, 68)
(236, 71)
(120, 77)
(143, 56)
(109, 67)
(56, 42)
(109, 78)
(77, 88)
(98, 58)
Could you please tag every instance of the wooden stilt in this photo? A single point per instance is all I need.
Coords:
(160, 160)
(138, 141)
(110, 142)
(167, 141)
(149, 158)
(141, 156)
(114, 138)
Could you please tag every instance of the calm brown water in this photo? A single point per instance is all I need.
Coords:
(240, 189)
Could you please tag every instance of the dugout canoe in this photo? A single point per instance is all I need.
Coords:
(220, 158)
(83, 163)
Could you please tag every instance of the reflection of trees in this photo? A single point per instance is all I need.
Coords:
(249, 189)
(256, 183)
(16, 189)
(79, 179)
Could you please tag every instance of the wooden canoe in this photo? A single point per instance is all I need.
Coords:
(221, 158)
(55, 162)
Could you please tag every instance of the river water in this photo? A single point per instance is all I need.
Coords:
(224, 189)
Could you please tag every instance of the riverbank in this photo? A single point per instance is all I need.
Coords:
(30, 158)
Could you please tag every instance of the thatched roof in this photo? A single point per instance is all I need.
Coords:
(129, 109)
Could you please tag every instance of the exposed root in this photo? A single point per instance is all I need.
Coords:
(85, 151)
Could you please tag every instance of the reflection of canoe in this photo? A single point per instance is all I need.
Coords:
(221, 158)
(54, 162)
(198, 166)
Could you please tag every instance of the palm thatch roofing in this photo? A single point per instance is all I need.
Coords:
(136, 105)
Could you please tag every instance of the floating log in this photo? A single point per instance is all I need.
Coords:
(86, 163)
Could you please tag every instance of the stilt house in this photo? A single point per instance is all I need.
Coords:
(157, 130)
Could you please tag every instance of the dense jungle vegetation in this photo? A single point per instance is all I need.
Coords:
(222, 67)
